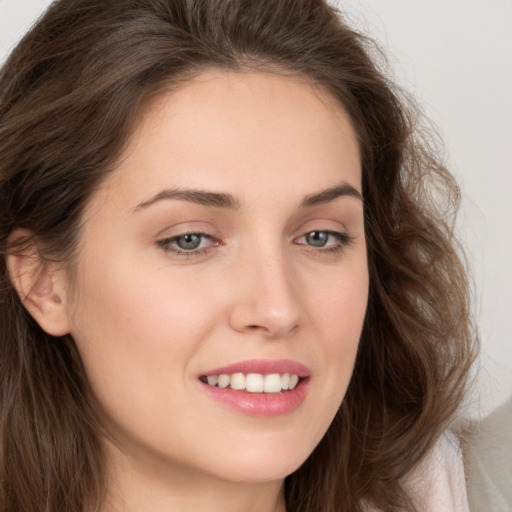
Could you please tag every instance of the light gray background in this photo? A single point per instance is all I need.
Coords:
(456, 57)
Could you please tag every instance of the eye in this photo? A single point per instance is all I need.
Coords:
(317, 238)
(187, 243)
(325, 240)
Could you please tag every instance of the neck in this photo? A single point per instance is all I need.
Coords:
(138, 485)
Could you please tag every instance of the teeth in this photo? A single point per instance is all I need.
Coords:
(294, 380)
(237, 381)
(224, 381)
(272, 383)
(255, 382)
(213, 380)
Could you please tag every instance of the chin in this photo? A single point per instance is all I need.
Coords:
(264, 465)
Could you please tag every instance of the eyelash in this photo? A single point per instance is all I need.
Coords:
(344, 240)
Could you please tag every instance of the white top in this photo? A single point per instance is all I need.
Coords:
(488, 461)
(437, 484)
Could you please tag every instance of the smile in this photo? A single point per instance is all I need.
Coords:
(254, 382)
(258, 387)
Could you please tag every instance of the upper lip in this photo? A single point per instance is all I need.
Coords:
(263, 366)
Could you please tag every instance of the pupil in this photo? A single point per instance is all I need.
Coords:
(189, 241)
(317, 238)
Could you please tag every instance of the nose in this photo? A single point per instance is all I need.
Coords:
(267, 302)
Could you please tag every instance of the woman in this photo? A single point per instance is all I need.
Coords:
(227, 251)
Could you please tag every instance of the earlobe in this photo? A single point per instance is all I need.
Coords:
(39, 284)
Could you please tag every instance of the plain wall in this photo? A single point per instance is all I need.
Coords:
(455, 56)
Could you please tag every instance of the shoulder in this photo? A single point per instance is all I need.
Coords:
(488, 461)
(437, 484)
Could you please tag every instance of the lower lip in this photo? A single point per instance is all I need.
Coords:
(264, 405)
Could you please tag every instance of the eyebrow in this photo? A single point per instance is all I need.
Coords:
(205, 198)
(326, 196)
(227, 201)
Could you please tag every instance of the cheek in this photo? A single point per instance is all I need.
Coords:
(144, 305)
(133, 328)
(339, 307)
(137, 338)
(337, 316)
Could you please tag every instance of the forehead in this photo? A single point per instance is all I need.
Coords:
(240, 130)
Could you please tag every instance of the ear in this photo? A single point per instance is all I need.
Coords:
(41, 285)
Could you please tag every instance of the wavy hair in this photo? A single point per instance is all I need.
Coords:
(70, 95)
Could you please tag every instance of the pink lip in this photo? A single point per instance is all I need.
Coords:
(263, 366)
(261, 404)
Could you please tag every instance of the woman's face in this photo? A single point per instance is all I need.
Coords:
(227, 250)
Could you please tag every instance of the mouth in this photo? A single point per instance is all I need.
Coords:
(264, 388)
(254, 382)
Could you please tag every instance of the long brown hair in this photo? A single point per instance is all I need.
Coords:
(70, 94)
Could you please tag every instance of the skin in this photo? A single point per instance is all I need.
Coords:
(149, 320)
